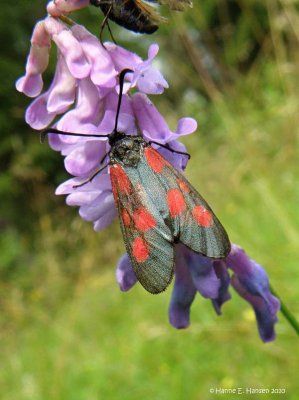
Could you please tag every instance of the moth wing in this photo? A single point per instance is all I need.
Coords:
(177, 5)
(149, 11)
(190, 218)
(148, 240)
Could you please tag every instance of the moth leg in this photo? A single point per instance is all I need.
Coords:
(166, 146)
(90, 178)
(103, 24)
(110, 31)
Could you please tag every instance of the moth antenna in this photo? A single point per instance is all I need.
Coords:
(43, 134)
(166, 146)
(121, 88)
(111, 34)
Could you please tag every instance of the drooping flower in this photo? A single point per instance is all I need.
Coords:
(196, 273)
(31, 84)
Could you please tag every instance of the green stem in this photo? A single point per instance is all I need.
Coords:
(66, 20)
(286, 312)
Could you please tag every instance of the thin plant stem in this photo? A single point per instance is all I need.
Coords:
(67, 20)
(286, 313)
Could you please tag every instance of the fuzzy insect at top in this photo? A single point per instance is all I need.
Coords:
(136, 15)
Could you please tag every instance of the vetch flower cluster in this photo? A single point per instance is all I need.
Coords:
(85, 92)
(82, 98)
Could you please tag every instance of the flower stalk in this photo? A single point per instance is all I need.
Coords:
(66, 20)
(289, 316)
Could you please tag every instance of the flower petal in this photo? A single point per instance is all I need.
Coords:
(70, 47)
(151, 81)
(63, 89)
(31, 84)
(153, 50)
(37, 114)
(249, 272)
(57, 8)
(265, 311)
(126, 120)
(102, 68)
(202, 273)
(79, 198)
(251, 282)
(186, 126)
(148, 79)
(125, 275)
(223, 294)
(85, 157)
(88, 112)
(179, 161)
(151, 123)
(122, 58)
(105, 220)
(182, 295)
(57, 99)
(98, 207)
(99, 183)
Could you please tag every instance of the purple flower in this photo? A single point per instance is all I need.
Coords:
(31, 84)
(95, 199)
(84, 92)
(147, 79)
(251, 282)
(56, 100)
(125, 275)
(154, 128)
(196, 273)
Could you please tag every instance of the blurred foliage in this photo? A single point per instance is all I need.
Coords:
(65, 330)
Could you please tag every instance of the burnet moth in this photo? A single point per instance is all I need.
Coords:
(136, 15)
(157, 207)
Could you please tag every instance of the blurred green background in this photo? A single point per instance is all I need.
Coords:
(66, 331)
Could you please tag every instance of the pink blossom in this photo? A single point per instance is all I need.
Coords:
(85, 92)
(31, 84)
(57, 8)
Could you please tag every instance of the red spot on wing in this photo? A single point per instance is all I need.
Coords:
(183, 185)
(155, 160)
(119, 179)
(140, 250)
(202, 216)
(143, 220)
(176, 202)
(126, 218)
